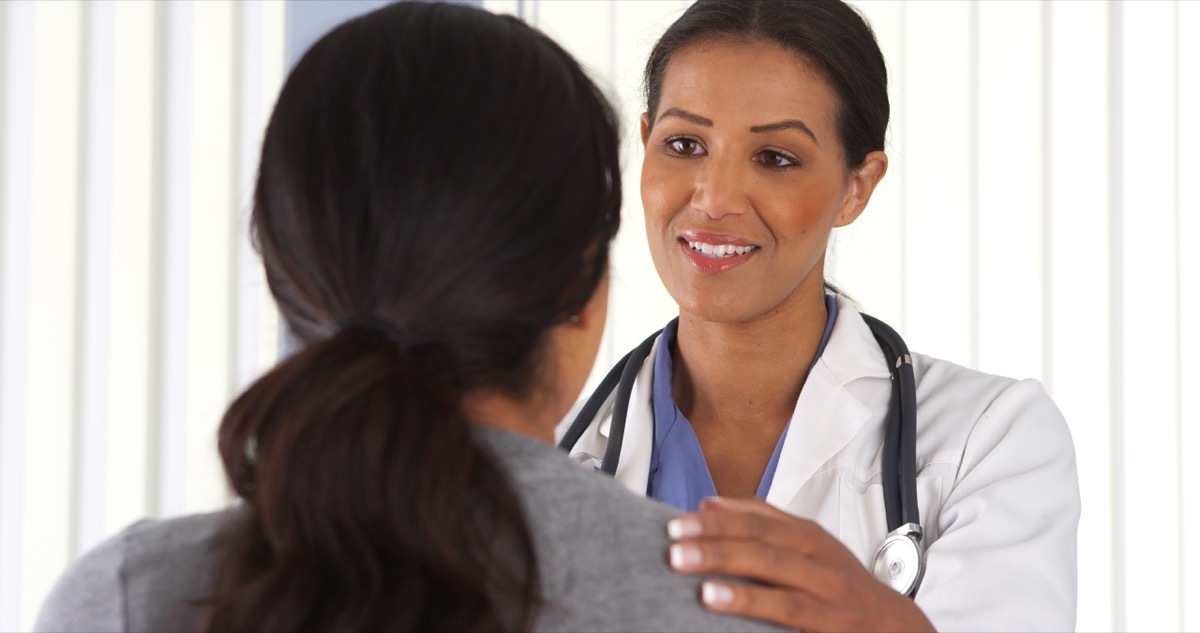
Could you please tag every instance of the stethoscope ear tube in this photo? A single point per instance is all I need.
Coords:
(592, 407)
(892, 499)
(899, 462)
(907, 392)
(616, 380)
(616, 432)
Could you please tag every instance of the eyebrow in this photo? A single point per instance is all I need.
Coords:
(790, 124)
(687, 116)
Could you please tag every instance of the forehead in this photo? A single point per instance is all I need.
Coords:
(753, 80)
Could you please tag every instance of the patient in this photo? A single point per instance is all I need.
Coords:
(435, 201)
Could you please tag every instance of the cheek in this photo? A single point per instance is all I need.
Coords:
(807, 211)
(655, 191)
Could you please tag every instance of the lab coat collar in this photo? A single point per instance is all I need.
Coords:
(834, 405)
(837, 401)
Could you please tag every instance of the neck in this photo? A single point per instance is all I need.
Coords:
(728, 373)
(509, 414)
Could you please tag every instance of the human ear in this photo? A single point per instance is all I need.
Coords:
(596, 309)
(645, 128)
(862, 184)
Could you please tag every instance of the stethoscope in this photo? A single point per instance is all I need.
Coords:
(900, 561)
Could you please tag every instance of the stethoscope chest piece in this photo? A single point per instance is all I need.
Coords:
(900, 562)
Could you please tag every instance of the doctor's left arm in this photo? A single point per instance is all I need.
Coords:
(1005, 553)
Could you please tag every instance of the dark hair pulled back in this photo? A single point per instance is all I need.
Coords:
(828, 33)
(438, 188)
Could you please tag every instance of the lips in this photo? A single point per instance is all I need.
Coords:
(714, 253)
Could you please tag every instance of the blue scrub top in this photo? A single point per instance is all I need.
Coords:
(679, 474)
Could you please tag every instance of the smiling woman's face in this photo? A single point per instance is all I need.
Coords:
(744, 178)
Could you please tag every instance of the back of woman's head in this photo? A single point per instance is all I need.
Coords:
(830, 34)
(438, 189)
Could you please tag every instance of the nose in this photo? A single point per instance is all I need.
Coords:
(719, 189)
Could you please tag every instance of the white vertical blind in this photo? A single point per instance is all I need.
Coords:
(131, 306)
(1148, 272)
(1187, 237)
(124, 477)
(1078, 273)
(1008, 159)
(53, 252)
(16, 119)
(1038, 219)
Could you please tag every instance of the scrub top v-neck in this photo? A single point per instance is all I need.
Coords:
(679, 474)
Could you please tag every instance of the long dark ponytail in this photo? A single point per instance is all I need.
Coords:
(438, 188)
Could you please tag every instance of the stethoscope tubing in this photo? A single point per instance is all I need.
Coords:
(611, 383)
(900, 437)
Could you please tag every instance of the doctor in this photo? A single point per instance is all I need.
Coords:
(761, 409)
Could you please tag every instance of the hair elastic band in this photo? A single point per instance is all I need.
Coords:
(377, 324)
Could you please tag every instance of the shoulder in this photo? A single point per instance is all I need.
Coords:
(966, 408)
(552, 484)
(150, 576)
(600, 545)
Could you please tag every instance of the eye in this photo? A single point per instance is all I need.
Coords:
(776, 160)
(684, 146)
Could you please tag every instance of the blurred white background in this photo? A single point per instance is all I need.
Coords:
(1039, 220)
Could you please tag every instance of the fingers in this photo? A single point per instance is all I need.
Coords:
(805, 612)
(752, 540)
(810, 580)
(757, 521)
(788, 608)
(751, 559)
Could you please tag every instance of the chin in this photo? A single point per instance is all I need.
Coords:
(718, 308)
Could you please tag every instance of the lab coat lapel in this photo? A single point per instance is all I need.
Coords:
(633, 468)
(834, 404)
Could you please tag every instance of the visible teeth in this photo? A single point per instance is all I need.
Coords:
(720, 250)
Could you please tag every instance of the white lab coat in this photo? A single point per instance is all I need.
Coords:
(996, 484)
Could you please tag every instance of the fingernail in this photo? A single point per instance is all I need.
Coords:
(683, 527)
(685, 556)
(716, 594)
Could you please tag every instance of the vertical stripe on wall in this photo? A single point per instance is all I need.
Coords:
(1187, 204)
(1008, 195)
(16, 116)
(92, 319)
(169, 257)
(1079, 136)
(117, 326)
(136, 122)
(52, 243)
(1187, 214)
(1150, 307)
